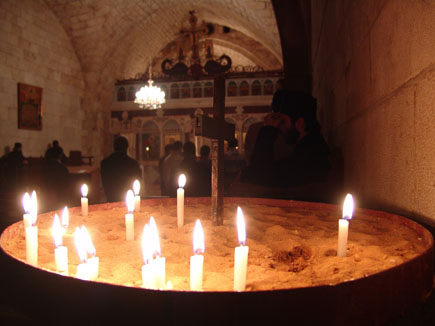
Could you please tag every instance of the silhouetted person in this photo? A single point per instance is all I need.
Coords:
(234, 162)
(204, 156)
(118, 171)
(13, 168)
(170, 165)
(163, 190)
(56, 180)
(297, 132)
(54, 150)
(198, 179)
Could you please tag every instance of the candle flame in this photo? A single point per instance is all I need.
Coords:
(198, 238)
(26, 203)
(90, 248)
(181, 181)
(129, 200)
(136, 187)
(147, 252)
(33, 211)
(65, 218)
(80, 243)
(56, 231)
(155, 241)
(348, 207)
(241, 227)
(84, 190)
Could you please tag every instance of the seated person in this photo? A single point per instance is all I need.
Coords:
(56, 180)
(118, 171)
(305, 159)
(52, 151)
(204, 156)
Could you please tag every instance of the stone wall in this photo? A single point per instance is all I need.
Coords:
(374, 77)
(34, 49)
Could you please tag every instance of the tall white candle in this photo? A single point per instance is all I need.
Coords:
(158, 262)
(32, 232)
(180, 200)
(93, 262)
(147, 255)
(129, 217)
(343, 226)
(197, 260)
(136, 189)
(83, 271)
(60, 252)
(65, 219)
(84, 200)
(26, 208)
(240, 254)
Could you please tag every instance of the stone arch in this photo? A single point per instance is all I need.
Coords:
(121, 96)
(131, 95)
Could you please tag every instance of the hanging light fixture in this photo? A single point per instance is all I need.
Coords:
(150, 97)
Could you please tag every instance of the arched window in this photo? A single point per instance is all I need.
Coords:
(197, 90)
(244, 88)
(164, 88)
(256, 88)
(175, 91)
(185, 91)
(131, 93)
(208, 89)
(268, 87)
(121, 94)
(232, 89)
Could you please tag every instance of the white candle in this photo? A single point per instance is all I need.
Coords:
(147, 255)
(343, 226)
(32, 245)
(197, 260)
(32, 232)
(180, 200)
(129, 217)
(83, 272)
(65, 219)
(93, 262)
(60, 252)
(26, 207)
(158, 262)
(80, 244)
(136, 189)
(84, 200)
(240, 254)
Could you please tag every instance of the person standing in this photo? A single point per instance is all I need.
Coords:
(118, 171)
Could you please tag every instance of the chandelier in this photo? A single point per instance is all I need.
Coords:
(150, 97)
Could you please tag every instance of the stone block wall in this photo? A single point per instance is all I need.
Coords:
(34, 49)
(374, 77)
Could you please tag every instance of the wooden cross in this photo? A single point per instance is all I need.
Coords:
(217, 129)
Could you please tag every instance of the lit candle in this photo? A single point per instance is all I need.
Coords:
(197, 260)
(84, 200)
(26, 208)
(32, 232)
(343, 226)
(136, 189)
(83, 271)
(180, 200)
(158, 263)
(147, 255)
(65, 219)
(129, 217)
(60, 252)
(240, 254)
(94, 261)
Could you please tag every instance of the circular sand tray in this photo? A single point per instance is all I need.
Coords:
(293, 273)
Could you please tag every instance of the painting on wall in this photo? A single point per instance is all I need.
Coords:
(29, 107)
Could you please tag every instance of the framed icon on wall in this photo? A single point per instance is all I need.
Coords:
(29, 107)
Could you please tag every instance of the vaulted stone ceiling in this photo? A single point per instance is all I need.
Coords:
(116, 39)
